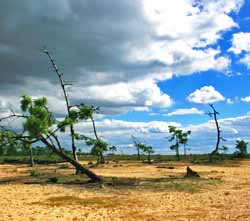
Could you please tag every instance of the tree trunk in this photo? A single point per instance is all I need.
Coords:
(73, 162)
(149, 158)
(31, 156)
(62, 83)
(102, 159)
(216, 150)
(178, 154)
(138, 153)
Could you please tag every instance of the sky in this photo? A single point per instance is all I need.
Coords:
(146, 64)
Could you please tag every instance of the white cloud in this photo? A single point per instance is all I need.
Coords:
(229, 101)
(184, 30)
(245, 60)
(205, 95)
(116, 56)
(240, 42)
(185, 111)
(202, 139)
(140, 95)
(246, 99)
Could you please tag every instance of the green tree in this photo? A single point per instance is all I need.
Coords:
(179, 137)
(112, 149)
(39, 124)
(241, 147)
(147, 150)
(184, 140)
(99, 146)
(8, 145)
(137, 146)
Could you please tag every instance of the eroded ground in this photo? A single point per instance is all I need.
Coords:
(135, 191)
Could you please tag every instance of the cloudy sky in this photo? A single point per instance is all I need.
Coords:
(147, 64)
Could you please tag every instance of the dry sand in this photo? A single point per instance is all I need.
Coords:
(222, 194)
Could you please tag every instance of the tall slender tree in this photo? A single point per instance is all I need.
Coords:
(137, 146)
(179, 137)
(63, 84)
(214, 114)
(99, 146)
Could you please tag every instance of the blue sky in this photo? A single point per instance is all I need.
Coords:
(147, 64)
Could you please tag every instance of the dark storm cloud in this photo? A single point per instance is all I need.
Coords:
(90, 34)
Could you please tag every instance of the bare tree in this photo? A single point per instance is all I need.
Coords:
(213, 114)
(63, 84)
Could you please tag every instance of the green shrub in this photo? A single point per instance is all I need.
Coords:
(53, 179)
(35, 173)
(64, 166)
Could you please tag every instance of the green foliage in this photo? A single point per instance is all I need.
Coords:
(63, 124)
(9, 145)
(39, 120)
(145, 148)
(112, 149)
(179, 137)
(99, 147)
(86, 111)
(25, 102)
(224, 148)
(34, 173)
(241, 147)
(53, 179)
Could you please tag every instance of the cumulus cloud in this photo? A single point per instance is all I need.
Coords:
(240, 42)
(202, 139)
(125, 45)
(246, 99)
(185, 111)
(205, 95)
(204, 135)
(245, 60)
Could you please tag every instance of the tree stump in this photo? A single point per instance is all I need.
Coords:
(191, 173)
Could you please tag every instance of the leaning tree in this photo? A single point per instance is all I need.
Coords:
(40, 125)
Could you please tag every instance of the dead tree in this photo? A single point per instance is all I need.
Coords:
(213, 115)
(63, 84)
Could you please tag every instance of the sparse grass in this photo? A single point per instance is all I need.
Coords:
(134, 191)
(35, 173)
(74, 200)
(180, 184)
(191, 158)
(64, 166)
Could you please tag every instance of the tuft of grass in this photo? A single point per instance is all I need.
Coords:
(35, 173)
(53, 179)
(64, 166)
(74, 200)
(95, 202)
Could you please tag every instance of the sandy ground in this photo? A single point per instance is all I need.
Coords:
(223, 193)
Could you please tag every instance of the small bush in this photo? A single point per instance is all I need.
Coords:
(35, 173)
(64, 166)
(53, 179)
